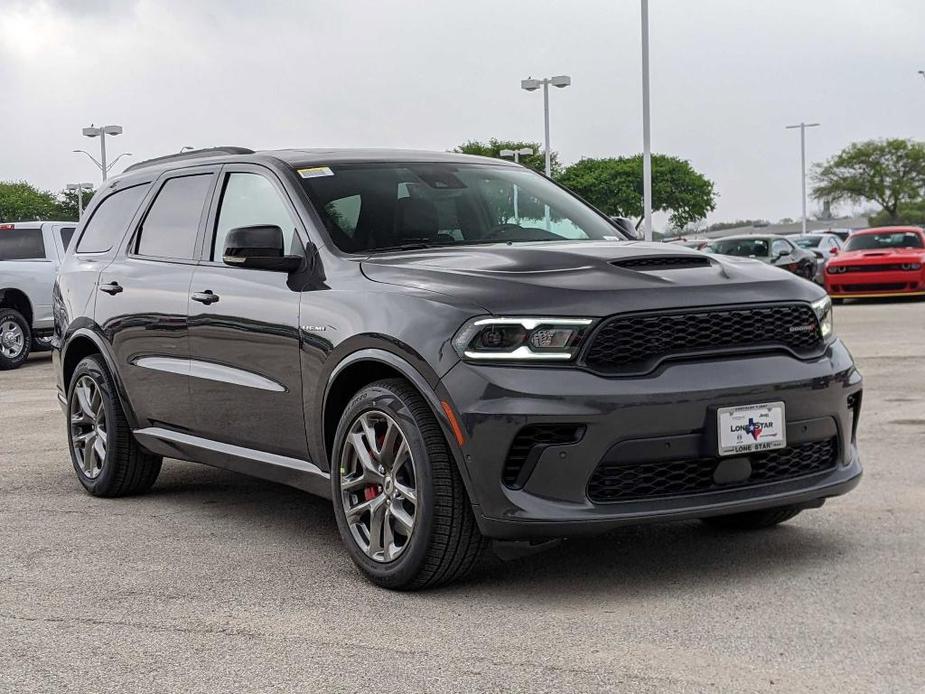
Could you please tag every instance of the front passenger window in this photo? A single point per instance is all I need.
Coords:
(252, 200)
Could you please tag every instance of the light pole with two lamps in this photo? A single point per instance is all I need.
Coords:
(516, 154)
(80, 188)
(102, 133)
(531, 85)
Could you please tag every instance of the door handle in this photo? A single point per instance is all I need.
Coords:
(207, 297)
(112, 288)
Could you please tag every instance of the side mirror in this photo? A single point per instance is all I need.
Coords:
(259, 248)
(628, 228)
(784, 252)
(834, 250)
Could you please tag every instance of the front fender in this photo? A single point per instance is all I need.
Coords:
(424, 380)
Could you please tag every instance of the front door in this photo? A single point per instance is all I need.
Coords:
(246, 383)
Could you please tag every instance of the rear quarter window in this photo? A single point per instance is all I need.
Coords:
(22, 244)
(110, 220)
(67, 233)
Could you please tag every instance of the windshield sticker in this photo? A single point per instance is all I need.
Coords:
(315, 172)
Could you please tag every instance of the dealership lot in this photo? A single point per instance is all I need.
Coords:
(217, 582)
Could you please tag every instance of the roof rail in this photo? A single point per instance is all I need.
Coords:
(191, 154)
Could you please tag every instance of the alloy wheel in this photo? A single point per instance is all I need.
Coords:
(12, 339)
(378, 486)
(88, 426)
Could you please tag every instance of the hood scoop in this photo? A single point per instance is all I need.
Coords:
(662, 262)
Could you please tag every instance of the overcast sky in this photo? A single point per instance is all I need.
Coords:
(727, 76)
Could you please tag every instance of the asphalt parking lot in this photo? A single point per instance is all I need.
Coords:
(218, 582)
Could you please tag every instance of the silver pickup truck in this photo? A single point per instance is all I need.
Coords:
(30, 253)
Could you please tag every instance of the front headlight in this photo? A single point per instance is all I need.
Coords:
(527, 339)
(823, 310)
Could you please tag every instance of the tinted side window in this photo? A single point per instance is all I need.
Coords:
(67, 233)
(251, 200)
(110, 220)
(170, 227)
(21, 244)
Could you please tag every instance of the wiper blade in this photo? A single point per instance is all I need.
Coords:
(405, 247)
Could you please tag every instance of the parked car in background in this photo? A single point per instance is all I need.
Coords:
(885, 261)
(696, 244)
(841, 233)
(386, 329)
(30, 253)
(823, 246)
(771, 249)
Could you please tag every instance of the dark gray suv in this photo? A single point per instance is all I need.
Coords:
(451, 348)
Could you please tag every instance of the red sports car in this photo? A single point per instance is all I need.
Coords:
(887, 261)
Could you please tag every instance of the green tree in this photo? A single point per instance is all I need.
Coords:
(614, 186)
(21, 202)
(906, 213)
(68, 204)
(493, 148)
(890, 173)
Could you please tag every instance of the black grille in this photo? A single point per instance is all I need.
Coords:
(668, 262)
(881, 287)
(637, 343)
(873, 268)
(529, 443)
(614, 481)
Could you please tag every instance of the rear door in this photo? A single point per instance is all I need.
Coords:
(143, 294)
(246, 381)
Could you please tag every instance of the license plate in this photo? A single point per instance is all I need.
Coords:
(751, 428)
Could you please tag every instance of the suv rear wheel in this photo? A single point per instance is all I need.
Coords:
(400, 504)
(753, 520)
(107, 459)
(15, 339)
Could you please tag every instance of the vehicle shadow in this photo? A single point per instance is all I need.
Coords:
(36, 359)
(631, 561)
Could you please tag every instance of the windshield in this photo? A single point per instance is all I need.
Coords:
(806, 241)
(747, 248)
(867, 242)
(369, 206)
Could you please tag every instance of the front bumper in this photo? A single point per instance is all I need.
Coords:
(862, 285)
(675, 404)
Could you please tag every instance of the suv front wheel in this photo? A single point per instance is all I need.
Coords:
(106, 457)
(401, 507)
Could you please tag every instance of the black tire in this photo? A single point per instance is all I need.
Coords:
(7, 362)
(445, 542)
(753, 520)
(126, 468)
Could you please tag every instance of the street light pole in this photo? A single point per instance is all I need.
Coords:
(102, 133)
(516, 153)
(803, 127)
(531, 85)
(80, 187)
(646, 131)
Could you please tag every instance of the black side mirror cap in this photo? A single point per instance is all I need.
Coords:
(259, 248)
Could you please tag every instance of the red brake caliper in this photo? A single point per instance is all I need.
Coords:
(373, 490)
